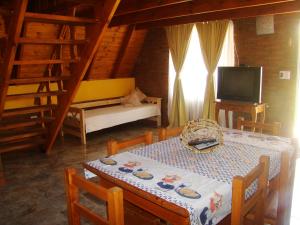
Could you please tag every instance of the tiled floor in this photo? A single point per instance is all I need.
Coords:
(34, 194)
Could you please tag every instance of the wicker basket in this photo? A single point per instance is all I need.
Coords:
(202, 130)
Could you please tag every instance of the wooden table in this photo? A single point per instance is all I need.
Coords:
(253, 109)
(159, 207)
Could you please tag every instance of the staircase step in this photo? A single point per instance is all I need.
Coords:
(34, 95)
(50, 41)
(35, 80)
(14, 124)
(52, 18)
(21, 145)
(19, 136)
(45, 61)
(27, 110)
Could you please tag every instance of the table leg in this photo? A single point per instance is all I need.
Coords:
(263, 114)
(227, 118)
(217, 109)
(254, 117)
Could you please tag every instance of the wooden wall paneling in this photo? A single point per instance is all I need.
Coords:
(152, 68)
(20, 52)
(54, 70)
(185, 9)
(274, 52)
(5, 16)
(3, 37)
(280, 8)
(7, 66)
(122, 50)
(4, 11)
(95, 34)
(132, 54)
(106, 55)
(39, 31)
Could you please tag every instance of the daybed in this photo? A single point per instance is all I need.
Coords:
(87, 117)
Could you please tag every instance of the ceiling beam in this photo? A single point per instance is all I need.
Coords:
(186, 9)
(130, 6)
(281, 8)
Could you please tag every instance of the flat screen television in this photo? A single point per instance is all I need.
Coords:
(240, 84)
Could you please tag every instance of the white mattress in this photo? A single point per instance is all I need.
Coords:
(97, 119)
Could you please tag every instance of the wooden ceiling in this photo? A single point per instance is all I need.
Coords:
(146, 13)
(123, 41)
(167, 12)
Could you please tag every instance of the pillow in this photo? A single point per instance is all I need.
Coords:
(140, 94)
(131, 100)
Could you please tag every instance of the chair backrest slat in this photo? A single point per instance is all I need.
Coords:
(113, 197)
(86, 213)
(272, 128)
(252, 201)
(94, 189)
(242, 206)
(253, 175)
(114, 146)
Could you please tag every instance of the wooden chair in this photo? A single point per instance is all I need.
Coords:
(114, 146)
(133, 214)
(273, 128)
(113, 197)
(241, 207)
(279, 197)
(165, 133)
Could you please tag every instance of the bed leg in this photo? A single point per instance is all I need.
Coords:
(158, 121)
(83, 138)
(82, 127)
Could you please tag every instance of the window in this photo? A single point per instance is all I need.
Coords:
(194, 73)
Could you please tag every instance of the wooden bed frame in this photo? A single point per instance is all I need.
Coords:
(74, 123)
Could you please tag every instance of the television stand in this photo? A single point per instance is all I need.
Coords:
(254, 109)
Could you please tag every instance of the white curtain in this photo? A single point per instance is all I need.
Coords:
(226, 59)
(193, 78)
(194, 73)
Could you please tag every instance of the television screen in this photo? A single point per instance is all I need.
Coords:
(240, 84)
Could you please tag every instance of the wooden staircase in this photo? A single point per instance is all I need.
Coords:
(39, 124)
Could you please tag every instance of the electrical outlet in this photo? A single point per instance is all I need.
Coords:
(285, 75)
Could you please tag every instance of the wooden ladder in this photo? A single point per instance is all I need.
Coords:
(38, 125)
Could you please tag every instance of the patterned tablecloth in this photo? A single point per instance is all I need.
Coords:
(200, 183)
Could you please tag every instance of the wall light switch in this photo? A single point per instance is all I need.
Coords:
(285, 75)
